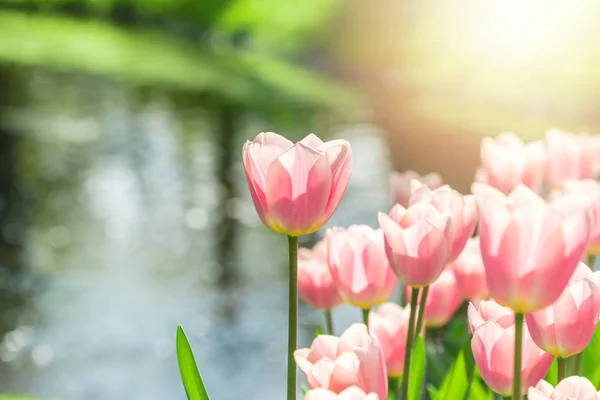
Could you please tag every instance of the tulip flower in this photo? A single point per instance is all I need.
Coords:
(389, 324)
(485, 311)
(418, 242)
(493, 349)
(296, 187)
(461, 209)
(353, 359)
(401, 184)
(359, 265)
(352, 393)
(566, 327)
(315, 283)
(590, 189)
(571, 388)
(442, 301)
(469, 272)
(529, 248)
(507, 162)
(572, 157)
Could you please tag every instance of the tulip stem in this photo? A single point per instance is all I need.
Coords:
(329, 322)
(562, 368)
(576, 362)
(409, 342)
(292, 317)
(365, 315)
(421, 314)
(518, 355)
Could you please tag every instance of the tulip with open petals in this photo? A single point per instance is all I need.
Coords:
(443, 300)
(401, 184)
(493, 350)
(470, 273)
(529, 248)
(352, 393)
(359, 265)
(296, 187)
(418, 242)
(389, 324)
(462, 211)
(480, 313)
(571, 157)
(571, 388)
(315, 283)
(566, 327)
(353, 359)
(590, 189)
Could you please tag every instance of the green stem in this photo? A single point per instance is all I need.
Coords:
(421, 314)
(292, 317)
(562, 368)
(402, 300)
(590, 261)
(518, 355)
(409, 343)
(329, 322)
(365, 315)
(576, 362)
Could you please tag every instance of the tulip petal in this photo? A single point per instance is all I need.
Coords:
(339, 156)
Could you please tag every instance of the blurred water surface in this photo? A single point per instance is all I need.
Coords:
(117, 248)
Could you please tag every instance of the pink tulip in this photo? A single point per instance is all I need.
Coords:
(359, 266)
(470, 273)
(572, 157)
(296, 187)
(493, 350)
(462, 211)
(485, 311)
(418, 242)
(353, 359)
(352, 393)
(529, 248)
(401, 184)
(315, 283)
(443, 300)
(571, 388)
(590, 189)
(508, 162)
(389, 324)
(566, 327)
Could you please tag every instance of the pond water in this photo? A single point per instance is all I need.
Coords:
(119, 250)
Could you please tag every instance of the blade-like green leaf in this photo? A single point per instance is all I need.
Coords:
(417, 369)
(459, 383)
(318, 331)
(192, 381)
(552, 375)
(591, 367)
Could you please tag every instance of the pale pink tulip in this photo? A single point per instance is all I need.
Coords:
(443, 300)
(507, 161)
(389, 324)
(570, 388)
(462, 211)
(401, 184)
(470, 273)
(566, 327)
(359, 265)
(529, 248)
(493, 350)
(418, 242)
(352, 393)
(315, 283)
(571, 157)
(485, 311)
(353, 359)
(296, 187)
(590, 189)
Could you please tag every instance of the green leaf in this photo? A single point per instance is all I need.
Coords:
(552, 375)
(433, 392)
(459, 383)
(417, 369)
(318, 331)
(192, 381)
(305, 389)
(591, 367)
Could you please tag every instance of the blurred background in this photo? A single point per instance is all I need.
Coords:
(123, 205)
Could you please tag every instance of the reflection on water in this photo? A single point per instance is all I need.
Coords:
(120, 249)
